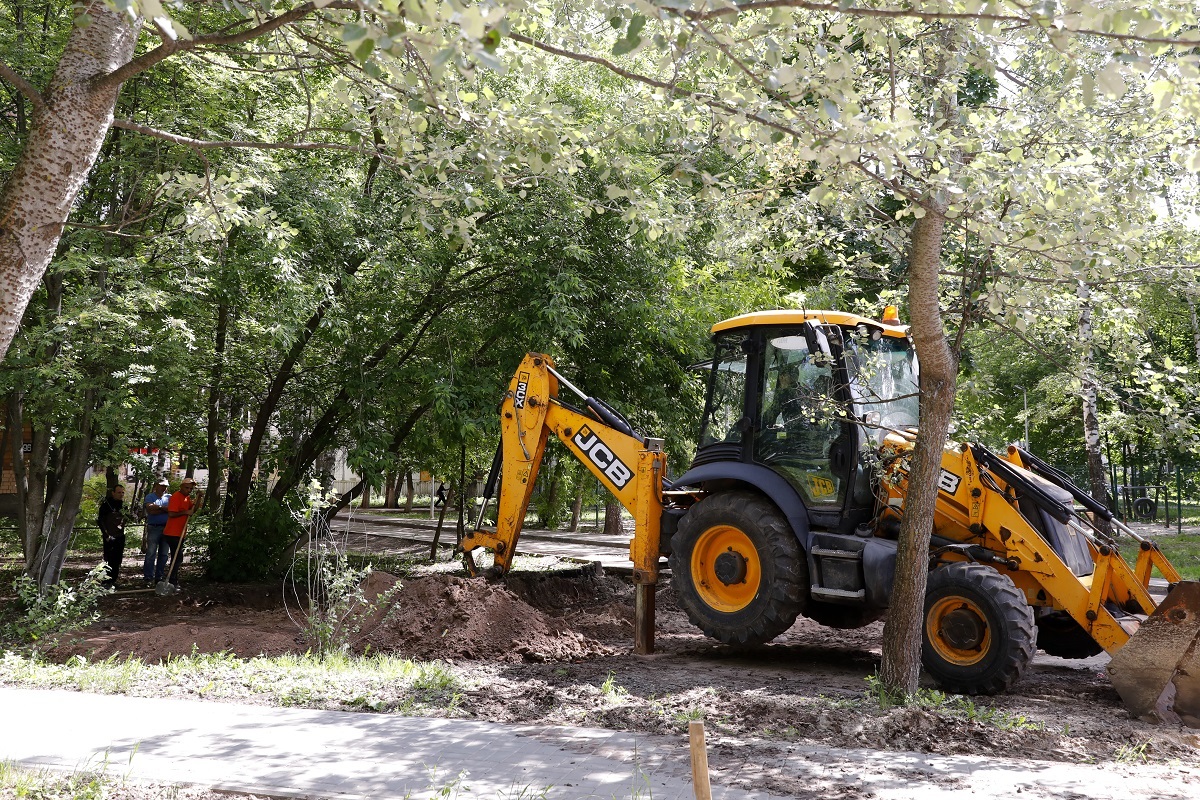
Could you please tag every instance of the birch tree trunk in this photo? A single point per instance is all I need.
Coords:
(67, 129)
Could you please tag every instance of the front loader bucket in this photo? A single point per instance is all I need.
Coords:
(1157, 672)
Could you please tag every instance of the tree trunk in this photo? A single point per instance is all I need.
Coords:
(409, 489)
(613, 524)
(33, 504)
(901, 667)
(366, 496)
(391, 492)
(64, 140)
(61, 507)
(1191, 301)
(1097, 474)
(216, 429)
(235, 498)
(577, 503)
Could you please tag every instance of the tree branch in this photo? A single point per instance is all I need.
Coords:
(171, 46)
(210, 144)
(23, 86)
(1023, 20)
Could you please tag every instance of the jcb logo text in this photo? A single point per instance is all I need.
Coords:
(948, 482)
(603, 457)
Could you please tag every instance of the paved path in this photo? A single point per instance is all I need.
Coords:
(611, 551)
(334, 754)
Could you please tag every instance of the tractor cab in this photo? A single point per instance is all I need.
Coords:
(809, 395)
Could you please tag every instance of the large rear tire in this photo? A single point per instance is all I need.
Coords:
(738, 571)
(978, 631)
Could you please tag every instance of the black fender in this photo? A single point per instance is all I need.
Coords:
(737, 474)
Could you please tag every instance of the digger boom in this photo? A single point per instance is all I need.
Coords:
(629, 466)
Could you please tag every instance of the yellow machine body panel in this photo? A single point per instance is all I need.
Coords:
(796, 317)
(1155, 663)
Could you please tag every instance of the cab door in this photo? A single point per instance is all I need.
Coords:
(802, 430)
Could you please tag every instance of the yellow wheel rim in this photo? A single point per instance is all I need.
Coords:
(726, 570)
(957, 630)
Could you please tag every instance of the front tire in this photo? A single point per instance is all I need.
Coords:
(978, 633)
(738, 571)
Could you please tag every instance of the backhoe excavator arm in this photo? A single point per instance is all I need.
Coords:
(629, 466)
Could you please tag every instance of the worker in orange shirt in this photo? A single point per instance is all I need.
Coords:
(180, 507)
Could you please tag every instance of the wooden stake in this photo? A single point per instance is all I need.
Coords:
(699, 760)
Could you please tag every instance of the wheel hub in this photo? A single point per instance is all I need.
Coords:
(725, 568)
(963, 629)
(730, 567)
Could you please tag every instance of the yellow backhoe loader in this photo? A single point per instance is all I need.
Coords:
(793, 503)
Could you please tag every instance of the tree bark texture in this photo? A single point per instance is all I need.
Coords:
(57, 505)
(577, 503)
(65, 136)
(1097, 474)
(901, 666)
(613, 524)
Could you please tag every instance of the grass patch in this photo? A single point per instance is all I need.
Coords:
(950, 705)
(37, 784)
(374, 683)
(1183, 551)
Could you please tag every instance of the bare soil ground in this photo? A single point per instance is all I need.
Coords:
(555, 648)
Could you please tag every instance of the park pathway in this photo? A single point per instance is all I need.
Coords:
(288, 752)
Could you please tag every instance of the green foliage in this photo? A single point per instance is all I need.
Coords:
(17, 782)
(1182, 551)
(339, 607)
(249, 547)
(42, 618)
(1132, 753)
(552, 503)
(94, 490)
(611, 689)
(377, 682)
(952, 705)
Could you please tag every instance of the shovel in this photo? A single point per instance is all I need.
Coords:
(165, 587)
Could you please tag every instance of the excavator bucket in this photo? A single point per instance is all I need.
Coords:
(1157, 672)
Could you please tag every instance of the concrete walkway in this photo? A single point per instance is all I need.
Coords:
(335, 754)
(612, 552)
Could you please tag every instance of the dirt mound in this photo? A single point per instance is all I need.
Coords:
(443, 617)
(252, 635)
(567, 589)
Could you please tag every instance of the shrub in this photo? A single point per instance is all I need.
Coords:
(249, 547)
(46, 616)
(338, 604)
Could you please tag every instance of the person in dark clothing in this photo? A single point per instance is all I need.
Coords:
(112, 528)
(441, 496)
